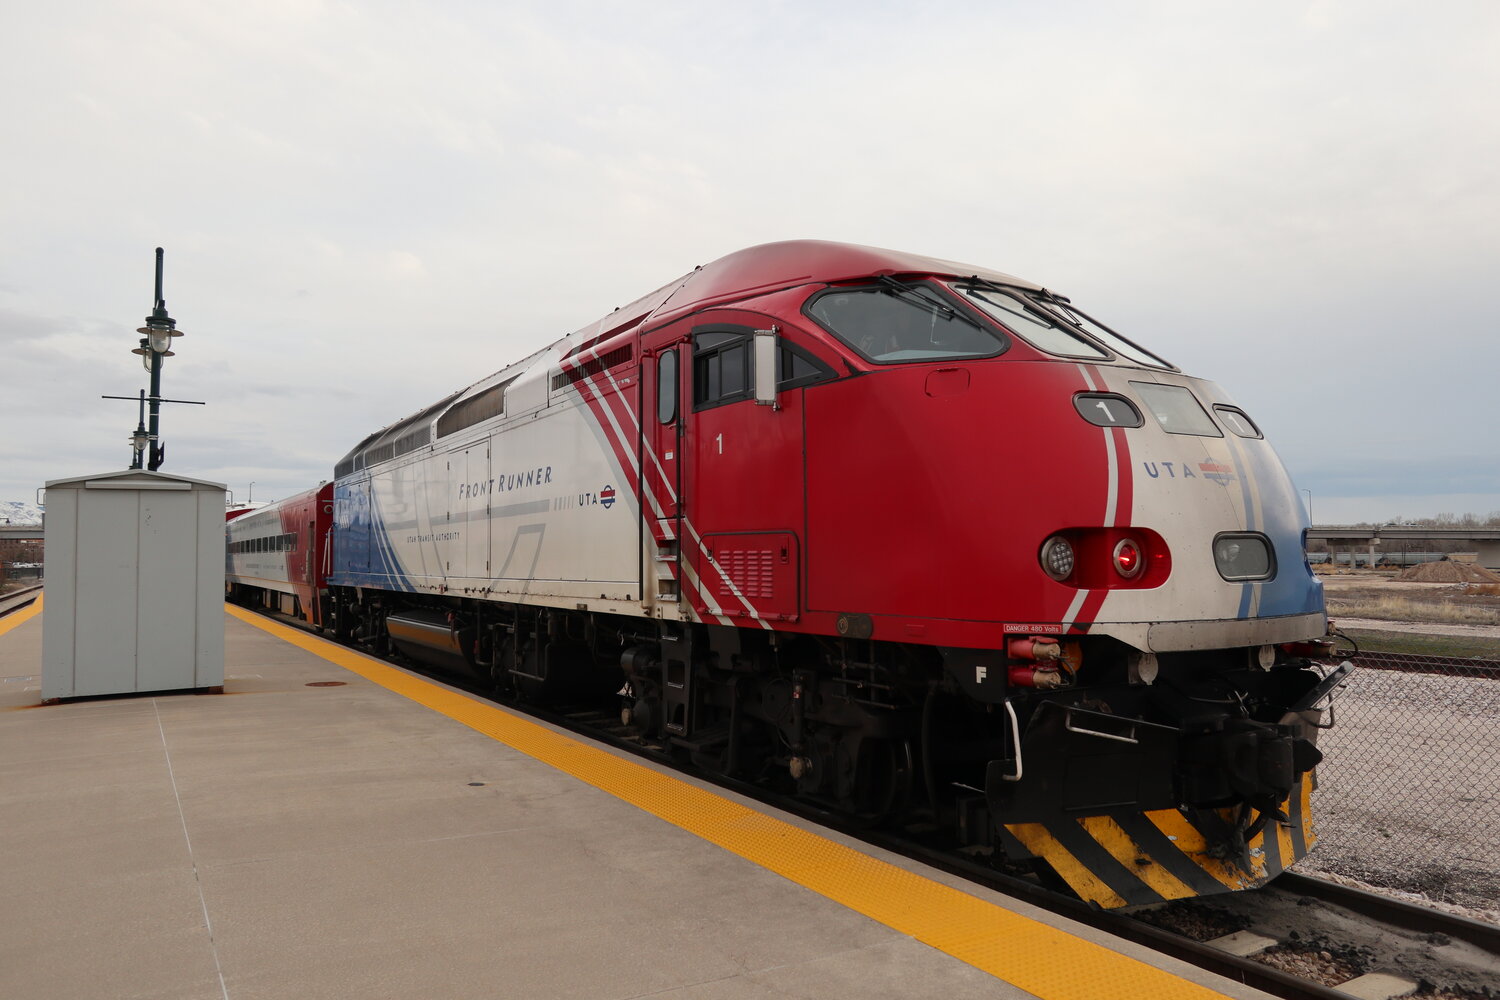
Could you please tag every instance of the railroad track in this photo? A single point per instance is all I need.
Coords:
(17, 599)
(1330, 939)
(1452, 666)
(1298, 938)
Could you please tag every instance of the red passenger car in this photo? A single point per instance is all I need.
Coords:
(277, 556)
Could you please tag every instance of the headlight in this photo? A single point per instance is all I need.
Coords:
(1057, 557)
(1244, 556)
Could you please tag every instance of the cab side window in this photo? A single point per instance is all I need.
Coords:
(795, 368)
(721, 367)
(724, 366)
(666, 387)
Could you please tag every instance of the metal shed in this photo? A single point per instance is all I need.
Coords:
(135, 585)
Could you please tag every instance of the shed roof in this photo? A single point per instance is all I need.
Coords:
(125, 479)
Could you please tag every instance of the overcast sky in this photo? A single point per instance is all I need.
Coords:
(366, 205)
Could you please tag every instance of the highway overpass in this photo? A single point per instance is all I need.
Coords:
(1485, 541)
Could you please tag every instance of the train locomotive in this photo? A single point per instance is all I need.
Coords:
(919, 541)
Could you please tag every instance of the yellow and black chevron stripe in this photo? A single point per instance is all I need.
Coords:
(1131, 858)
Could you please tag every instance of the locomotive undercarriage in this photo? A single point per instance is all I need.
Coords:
(900, 734)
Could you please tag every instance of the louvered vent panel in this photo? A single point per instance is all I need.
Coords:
(747, 574)
(752, 570)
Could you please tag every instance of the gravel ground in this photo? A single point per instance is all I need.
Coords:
(1408, 799)
(1330, 945)
(1409, 791)
(1310, 962)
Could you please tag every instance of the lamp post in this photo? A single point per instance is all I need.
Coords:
(156, 345)
(1309, 506)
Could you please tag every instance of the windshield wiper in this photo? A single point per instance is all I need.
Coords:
(1062, 307)
(1026, 302)
(910, 293)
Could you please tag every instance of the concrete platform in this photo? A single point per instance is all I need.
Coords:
(377, 838)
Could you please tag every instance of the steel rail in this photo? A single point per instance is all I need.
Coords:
(1421, 663)
(1393, 912)
(18, 599)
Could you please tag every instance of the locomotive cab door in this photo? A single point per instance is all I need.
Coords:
(725, 474)
(743, 482)
(740, 465)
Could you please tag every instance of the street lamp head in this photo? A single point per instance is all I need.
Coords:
(159, 336)
(139, 440)
(147, 354)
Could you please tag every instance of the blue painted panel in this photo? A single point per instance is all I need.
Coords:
(351, 533)
(1281, 516)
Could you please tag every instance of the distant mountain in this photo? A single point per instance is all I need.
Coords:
(19, 512)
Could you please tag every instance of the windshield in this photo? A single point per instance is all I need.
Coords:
(1030, 324)
(1034, 318)
(1112, 340)
(1176, 409)
(896, 322)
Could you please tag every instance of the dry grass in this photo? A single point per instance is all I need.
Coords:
(1482, 590)
(1406, 610)
(1423, 643)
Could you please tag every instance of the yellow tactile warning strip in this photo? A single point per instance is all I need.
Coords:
(15, 618)
(1042, 960)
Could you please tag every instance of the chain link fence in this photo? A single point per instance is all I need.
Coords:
(1409, 790)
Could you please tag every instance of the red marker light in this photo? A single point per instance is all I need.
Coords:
(1127, 558)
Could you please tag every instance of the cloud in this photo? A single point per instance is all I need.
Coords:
(368, 206)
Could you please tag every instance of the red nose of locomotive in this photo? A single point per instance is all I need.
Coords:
(1110, 557)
